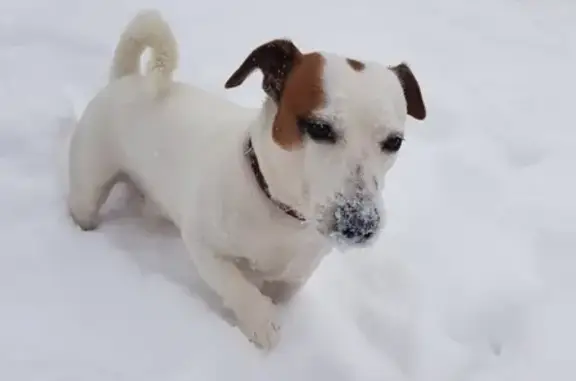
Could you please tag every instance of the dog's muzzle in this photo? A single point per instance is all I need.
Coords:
(356, 221)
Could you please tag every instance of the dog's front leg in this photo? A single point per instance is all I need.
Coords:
(256, 314)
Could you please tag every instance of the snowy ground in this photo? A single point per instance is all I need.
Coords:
(473, 280)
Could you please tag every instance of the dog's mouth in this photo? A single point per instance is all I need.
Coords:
(350, 222)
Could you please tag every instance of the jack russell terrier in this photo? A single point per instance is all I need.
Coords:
(259, 196)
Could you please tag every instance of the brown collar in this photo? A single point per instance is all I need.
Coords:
(249, 152)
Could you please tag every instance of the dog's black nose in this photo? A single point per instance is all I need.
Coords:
(351, 233)
(356, 223)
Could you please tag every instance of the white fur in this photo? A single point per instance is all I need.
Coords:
(184, 149)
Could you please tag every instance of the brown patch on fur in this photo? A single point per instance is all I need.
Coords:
(275, 59)
(303, 93)
(355, 64)
(292, 79)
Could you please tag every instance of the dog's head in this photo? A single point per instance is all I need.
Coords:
(335, 126)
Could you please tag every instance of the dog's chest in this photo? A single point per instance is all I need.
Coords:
(276, 253)
(245, 227)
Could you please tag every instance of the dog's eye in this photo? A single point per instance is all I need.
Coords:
(392, 143)
(318, 130)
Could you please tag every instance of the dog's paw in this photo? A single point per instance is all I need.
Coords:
(260, 325)
(85, 224)
(265, 336)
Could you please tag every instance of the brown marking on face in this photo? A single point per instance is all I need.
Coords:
(291, 79)
(303, 93)
(355, 64)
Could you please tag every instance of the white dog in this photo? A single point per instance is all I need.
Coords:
(259, 196)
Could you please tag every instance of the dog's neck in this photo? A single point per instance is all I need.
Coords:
(275, 170)
(255, 166)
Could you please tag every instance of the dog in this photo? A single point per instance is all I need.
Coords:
(260, 196)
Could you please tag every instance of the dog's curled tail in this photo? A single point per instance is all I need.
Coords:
(146, 30)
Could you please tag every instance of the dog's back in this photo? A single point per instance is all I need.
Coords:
(124, 129)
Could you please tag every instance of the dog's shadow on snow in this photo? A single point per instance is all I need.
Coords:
(155, 245)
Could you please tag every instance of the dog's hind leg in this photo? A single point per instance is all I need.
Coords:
(86, 197)
(91, 178)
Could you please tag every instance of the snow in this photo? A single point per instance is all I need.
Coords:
(472, 280)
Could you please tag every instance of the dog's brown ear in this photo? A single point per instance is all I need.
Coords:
(275, 59)
(412, 93)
